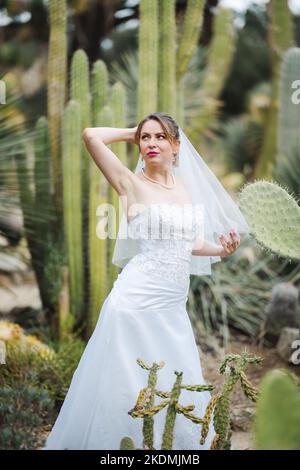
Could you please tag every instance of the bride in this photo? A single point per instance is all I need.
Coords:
(144, 316)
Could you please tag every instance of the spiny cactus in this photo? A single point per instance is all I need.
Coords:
(57, 78)
(98, 246)
(280, 38)
(148, 57)
(274, 217)
(72, 201)
(99, 90)
(145, 408)
(189, 36)
(277, 417)
(167, 58)
(222, 403)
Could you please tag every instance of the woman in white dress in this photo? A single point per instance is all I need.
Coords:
(144, 315)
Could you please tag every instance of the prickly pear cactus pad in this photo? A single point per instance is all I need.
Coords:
(273, 216)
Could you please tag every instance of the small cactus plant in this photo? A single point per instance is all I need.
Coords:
(145, 408)
(222, 403)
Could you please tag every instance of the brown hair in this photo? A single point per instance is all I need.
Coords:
(168, 124)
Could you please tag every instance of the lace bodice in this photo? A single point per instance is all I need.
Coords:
(166, 234)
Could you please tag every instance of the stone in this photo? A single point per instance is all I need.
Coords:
(281, 312)
(288, 343)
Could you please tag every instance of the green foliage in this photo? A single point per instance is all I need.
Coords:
(52, 372)
(23, 409)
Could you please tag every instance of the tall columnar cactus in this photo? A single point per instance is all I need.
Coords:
(167, 58)
(273, 216)
(289, 109)
(98, 195)
(189, 36)
(219, 59)
(98, 245)
(99, 90)
(72, 192)
(80, 91)
(280, 39)
(148, 58)
(57, 72)
(222, 405)
(277, 417)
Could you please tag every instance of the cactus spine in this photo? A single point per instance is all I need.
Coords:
(148, 58)
(167, 58)
(57, 69)
(189, 36)
(72, 204)
(280, 39)
(222, 403)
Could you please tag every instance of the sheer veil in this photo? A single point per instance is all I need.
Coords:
(220, 211)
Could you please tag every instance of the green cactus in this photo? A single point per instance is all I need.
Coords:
(220, 55)
(222, 403)
(167, 58)
(57, 73)
(289, 114)
(148, 57)
(280, 39)
(99, 90)
(98, 193)
(189, 36)
(127, 444)
(72, 203)
(277, 417)
(145, 408)
(273, 216)
(98, 247)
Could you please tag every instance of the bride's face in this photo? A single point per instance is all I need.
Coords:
(154, 139)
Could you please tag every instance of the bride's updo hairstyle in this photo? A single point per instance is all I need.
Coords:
(168, 124)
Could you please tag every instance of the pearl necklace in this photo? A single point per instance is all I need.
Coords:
(157, 182)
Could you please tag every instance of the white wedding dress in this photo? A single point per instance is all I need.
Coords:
(144, 316)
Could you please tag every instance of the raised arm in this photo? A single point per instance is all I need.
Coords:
(230, 244)
(96, 140)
